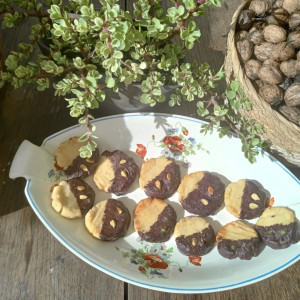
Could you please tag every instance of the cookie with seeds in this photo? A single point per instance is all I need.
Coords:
(154, 220)
(245, 199)
(72, 198)
(108, 220)
(116, 172)
(238, 240)
(201, 193)
(159, 177)
(278, 227)
(194, 236)
(67, 158)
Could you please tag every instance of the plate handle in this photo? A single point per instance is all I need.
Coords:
(31, 162)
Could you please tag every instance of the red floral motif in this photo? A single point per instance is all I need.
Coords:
(154, 261)
(142, 269)
(174, 143)
(270, 202)
(141, 150)
(195, 260)
(185, 131)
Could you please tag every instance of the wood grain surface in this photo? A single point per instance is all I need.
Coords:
(33, 265)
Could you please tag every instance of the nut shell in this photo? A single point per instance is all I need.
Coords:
(271, 93)
(282, 52)
(270, 74)
(274, 34)
(291, 113)
(294, 20)
(294, 39)
(259, 7)
(292, 95)
(263, 51)
(281, 15)
(256, 37)
(251, 68)
(288, 68)
(245, 49)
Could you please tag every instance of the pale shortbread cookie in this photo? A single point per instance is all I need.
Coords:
(278, 227)
(154, 220)
(194, 236)
(244, 199)
(68, 159)
(72, 198)
(238, 240)
(159, 177)
(108, 220)
(115, 172)
(201, 193)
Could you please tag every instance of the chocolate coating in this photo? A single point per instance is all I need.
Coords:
(168, 187)
(120, 183)
(122, 220)
(246, 211)
(163, 228)
(197, 244)
(84, 204)
(279, 236)
(244, 249)
(76, 170)
(193, 204)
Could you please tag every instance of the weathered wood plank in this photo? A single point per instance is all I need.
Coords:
(34, 265)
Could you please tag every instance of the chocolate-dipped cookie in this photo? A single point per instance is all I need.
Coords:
(154, 220)
(238, 240)
(278, 227)
(72, 198)
(201, 193)
(159, 177)
(194, 236)
(108, 220)
(67, 158)
(116, 172)
(245, 199)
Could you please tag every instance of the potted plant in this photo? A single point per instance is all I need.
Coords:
(93, 51)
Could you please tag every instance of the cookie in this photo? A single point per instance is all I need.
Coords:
(194, 236)
(154, 220)
(201, 193)
(278, 227)
(108, 220)
(238, 240)
(159, 177)
(245, 199)
(67, 158)
(72, 198)
(115, 172)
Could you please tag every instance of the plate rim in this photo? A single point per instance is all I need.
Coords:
(137, 282)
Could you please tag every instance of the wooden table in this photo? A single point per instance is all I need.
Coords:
(33, 264)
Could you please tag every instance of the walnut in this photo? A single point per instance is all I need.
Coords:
(291, 113)
(290, 5)
(256, 37)
(297, 66)
(270, 74)
(241, 35)
(271, 20)
(288, 68)
(281, 15)
(278, 3)
(251, 68)
(263, 51)
(274, 34)
(271, 93)
(298, 55)
(245, 19)
(245, 49)
(282, 52)
(259, 83)
(259, 7)
(272, 63)
(294, 39)
(294, 20)
(292, 95)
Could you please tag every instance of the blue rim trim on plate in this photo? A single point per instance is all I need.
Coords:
(143, 284)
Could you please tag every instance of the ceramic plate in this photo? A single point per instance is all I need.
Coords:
(161, 266)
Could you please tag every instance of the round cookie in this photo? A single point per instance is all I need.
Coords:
(72, 198)
(108, 220)
(194, 236)
(67, 158)
(201, 193)
(115, 172)
(278, 227)
(244, 199)
(154, 220)
(159, 177)
(237, 239)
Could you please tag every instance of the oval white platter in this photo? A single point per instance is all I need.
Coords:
(161, 266)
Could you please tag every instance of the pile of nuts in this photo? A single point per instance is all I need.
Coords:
(268, 43)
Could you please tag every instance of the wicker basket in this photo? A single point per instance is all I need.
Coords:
(284, 136)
